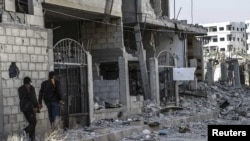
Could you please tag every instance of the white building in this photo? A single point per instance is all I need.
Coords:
(247, 23)
(225, 40)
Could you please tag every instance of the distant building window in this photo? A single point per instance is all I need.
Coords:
(229, 27)
(233, 28)
(222, 39)
(233, 38)
(214, 29)
(24, 6)
(237, 29)
(221, 28)
(215, 40)
(222, 49)
(238, 39)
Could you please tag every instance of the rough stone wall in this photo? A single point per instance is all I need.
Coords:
(107, 90)
(104, 36)
(28, 47)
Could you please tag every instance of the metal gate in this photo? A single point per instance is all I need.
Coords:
(70, 63)
(166, 63)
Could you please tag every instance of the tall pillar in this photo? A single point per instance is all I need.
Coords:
(224, 72)
(237, 83)
(124, 82)
(210, 73)
(90, 87)
(154, 80)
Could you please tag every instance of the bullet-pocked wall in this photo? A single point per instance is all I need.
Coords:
(25, 41)
(28, 47)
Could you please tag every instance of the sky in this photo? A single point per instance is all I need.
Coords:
(210, 11)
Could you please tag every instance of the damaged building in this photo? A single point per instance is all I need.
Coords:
(110, 56)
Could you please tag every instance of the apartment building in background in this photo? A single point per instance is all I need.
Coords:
(225, 40)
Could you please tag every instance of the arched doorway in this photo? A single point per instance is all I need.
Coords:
(167, 86)
(70, 63)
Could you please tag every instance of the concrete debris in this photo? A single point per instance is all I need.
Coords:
(232, 106)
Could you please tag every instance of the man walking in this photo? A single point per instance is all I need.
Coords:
(50, 92)
(29, 106)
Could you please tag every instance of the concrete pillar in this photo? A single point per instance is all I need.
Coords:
(154, 80)
(1, 104)
(142, 61)
(224, 72)
(157, 8)
(90, 87)
(237, 83)
(210, 73)
(193, 83)
(124, 82)
(246, 73)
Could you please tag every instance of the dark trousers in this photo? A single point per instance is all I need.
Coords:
(30, 129)
(53, 111)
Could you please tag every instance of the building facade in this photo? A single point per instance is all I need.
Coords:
(225, 40)
(111, 52)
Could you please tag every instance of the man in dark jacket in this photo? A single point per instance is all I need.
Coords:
(29, 106)
(50, 92)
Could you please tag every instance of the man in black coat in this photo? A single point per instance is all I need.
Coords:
(50, 92)
(29, 106)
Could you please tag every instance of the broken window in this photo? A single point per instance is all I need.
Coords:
(24, 6)
(109, 71)
(215, 40)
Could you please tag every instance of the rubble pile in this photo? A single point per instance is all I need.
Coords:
(232, 105)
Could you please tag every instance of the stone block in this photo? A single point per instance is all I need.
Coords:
(33, 58)
(24, 66)
(35, 20)
(38, 11)
(40, 42)
(15, 109)
(15, 32)
(13, 92)
(4, 57)
(23, 49)
(9, 83)
(32, 66)
(2, 31)
(8, 31)
(10, 5)
(26, 41)
(18, 41)
(31, 50)
(7, 110)
(10, 40)
(34, 75)
(40, 58)
(6, 119)
(33, 41)
(20, 117)
(16, 49)
(19, 57)
(30, 33)
(44, 35)
(10, 101)
(132, 99)
(23, 33)
(6, 92)
(8, 128)
(12, 58)
(2, 39)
